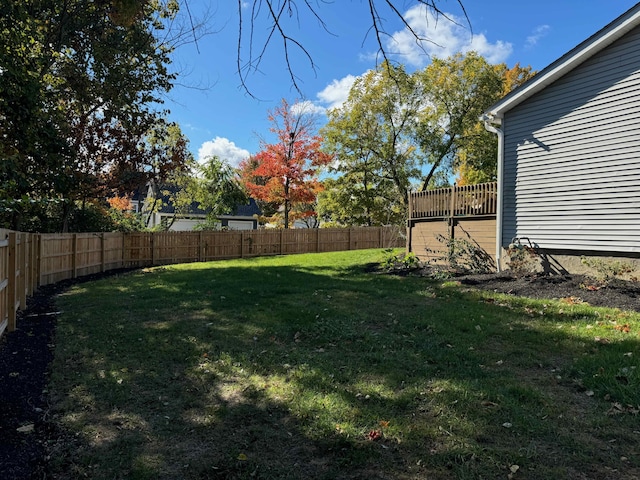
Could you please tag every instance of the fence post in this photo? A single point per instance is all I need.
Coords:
(349, 238)
(452, 211)
(32, 263)
(318, 240)
(281, 241)
(122, 249)
(22, 270)
(40, 258)
(241, 244)
(153, 249)
(11, 287)
(74, 257)
(102, 253)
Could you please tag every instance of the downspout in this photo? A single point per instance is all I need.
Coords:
(490, 125)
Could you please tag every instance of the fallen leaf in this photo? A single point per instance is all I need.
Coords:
(626, 328)
(243, 457)
(589, 393)
(25, 428)
(384, 423)
(573, 300)
(374, 435)
(514, 468)
(507, 425)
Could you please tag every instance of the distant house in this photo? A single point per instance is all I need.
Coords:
(138, 198)
(569, 150)
(243, 217)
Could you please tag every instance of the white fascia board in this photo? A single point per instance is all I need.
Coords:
(594, 44)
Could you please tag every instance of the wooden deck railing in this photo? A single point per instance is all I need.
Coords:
(466, 200)
(29, 260)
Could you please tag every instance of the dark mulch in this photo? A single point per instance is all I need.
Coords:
(616, 293)
(25, 356)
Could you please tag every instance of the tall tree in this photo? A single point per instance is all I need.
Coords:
(477, 156)
(218, 189)
(456, 90)
(77, 77)
(370, 136)
(285, 172)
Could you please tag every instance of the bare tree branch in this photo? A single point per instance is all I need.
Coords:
(277, 12)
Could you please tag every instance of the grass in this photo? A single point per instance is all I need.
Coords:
(309, 366)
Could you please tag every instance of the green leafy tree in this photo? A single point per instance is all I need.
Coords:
(456, 91)
(217, 190)
(477, 156)
(371, 139)
(80, 80)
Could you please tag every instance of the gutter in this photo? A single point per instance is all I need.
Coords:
(491, 125)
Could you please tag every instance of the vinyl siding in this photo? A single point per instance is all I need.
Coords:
(572, 157)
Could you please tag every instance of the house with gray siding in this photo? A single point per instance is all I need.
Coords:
(569, 150)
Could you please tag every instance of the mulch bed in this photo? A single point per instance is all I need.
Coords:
(25, 356)
(616, 293)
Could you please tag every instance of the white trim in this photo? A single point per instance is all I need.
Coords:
(594, 44)
(500, 183)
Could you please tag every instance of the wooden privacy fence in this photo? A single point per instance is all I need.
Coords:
(29, 260)
(467, 212)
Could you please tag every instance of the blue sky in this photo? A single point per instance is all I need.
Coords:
(220, 118)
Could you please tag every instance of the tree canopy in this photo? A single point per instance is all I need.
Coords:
(370, 137)
(284, 173)
(80, 86)
(399, 131)
(455, 92)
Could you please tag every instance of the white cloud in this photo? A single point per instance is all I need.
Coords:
(308, 108)
(337, 92)
(539, 32)
(446, 34)
(223, 148)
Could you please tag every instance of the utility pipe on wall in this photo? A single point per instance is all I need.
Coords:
(490, 127)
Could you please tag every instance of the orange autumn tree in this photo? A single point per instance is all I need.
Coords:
(284, 174)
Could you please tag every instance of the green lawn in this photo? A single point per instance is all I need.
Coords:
(312, 367)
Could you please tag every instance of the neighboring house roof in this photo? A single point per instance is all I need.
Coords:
(248, 210)
(585, 50)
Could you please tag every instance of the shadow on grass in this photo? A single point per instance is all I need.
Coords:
(318, 372)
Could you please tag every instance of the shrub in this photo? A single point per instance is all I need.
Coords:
(607, 270)
(523, 259)
(399, 261)
(464, 256)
